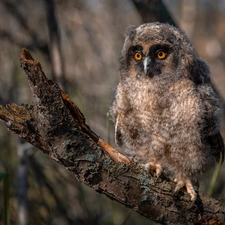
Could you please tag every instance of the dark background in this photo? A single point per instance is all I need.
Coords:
(78, 44)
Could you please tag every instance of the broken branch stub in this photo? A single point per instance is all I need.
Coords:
(58, 114)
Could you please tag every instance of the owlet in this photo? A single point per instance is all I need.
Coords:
(165, 110)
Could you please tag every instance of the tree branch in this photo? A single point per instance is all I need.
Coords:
(153, 11)
(56, 126)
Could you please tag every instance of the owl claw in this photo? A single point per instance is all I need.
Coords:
(155, 167)
(158, 169)
(189, 187)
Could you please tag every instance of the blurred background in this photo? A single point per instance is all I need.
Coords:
(78, 44)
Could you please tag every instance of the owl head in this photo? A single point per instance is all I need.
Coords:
(157, 50)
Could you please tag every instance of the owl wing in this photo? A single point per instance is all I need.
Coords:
(210, 133)
(217, 146)
(118, 134)
(210, 130)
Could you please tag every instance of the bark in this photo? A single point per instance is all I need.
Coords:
(56, 126)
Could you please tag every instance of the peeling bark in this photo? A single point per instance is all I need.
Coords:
(56, 126)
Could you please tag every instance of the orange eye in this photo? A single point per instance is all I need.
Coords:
(161, 54)
(138, 56)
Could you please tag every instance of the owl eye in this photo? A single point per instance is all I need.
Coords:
(138, 56)
(161, 54)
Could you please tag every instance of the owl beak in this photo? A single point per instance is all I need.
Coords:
(146, 63)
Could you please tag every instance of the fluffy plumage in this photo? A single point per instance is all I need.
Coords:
(166, 112)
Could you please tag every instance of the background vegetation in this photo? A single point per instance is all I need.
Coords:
(78, 44)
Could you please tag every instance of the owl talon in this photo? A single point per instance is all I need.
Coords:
(189, 188)
(179, 185)
(158, 169)
(155, 167)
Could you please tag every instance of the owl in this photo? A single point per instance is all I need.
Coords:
(165, 110)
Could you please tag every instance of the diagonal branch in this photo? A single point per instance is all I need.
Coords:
(56, 126)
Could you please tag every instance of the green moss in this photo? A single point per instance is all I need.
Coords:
(145, 181)
(107, 164)
(91, 157)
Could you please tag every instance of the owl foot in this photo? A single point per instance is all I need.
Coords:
(155, 167)
(190, 189)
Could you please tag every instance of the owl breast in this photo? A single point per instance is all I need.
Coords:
(152, 120)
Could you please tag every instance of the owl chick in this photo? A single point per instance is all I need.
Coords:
(165, 110)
